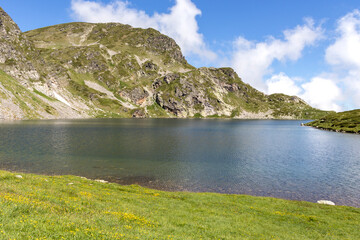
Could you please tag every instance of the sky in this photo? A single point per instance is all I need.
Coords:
(306, 48)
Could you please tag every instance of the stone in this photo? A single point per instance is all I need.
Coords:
(101, 181)
(139, 114)
(171, 77)
(170, 104)
(231, 87)
(150, 66)
(326, 202)
(138, 95)
(157, 83)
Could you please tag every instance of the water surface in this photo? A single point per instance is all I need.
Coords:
(257, 157)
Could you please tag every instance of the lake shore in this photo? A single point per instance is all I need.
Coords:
(344, 122)
(222, 156)
(55, 207)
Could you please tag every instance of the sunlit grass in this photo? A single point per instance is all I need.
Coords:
(68, 207)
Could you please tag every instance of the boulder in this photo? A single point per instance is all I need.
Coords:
(139, 114)
(326, 202)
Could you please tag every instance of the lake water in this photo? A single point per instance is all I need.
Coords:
(257, 157)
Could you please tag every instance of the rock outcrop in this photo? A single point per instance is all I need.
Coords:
(16, 51)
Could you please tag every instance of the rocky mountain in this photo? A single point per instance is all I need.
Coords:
(83, 70)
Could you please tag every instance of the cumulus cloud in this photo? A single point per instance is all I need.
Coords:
(345, 51)
(180, 23)
(322, 93)
(253, 60)
(344, 55)
(281, 83)
(319, 92)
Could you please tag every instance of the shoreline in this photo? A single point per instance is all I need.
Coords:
(146, 183)
(284, 118)
(332, 130)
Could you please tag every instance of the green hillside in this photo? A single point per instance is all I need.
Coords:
(340, 122)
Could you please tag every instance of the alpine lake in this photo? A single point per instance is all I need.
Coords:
(277, 158)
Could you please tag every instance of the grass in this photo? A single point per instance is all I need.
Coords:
(348, 121)
(155, 111)
(28, 102)
(43, 95)
(68, 207)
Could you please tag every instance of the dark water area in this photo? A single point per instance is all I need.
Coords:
(257, 157)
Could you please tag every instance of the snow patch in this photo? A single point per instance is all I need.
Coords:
(61, 99)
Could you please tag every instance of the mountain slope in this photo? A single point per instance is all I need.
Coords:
(348, 121)
(115, 70)
(21, 73)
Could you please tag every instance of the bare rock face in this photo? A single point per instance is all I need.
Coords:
(137, 96)
(168, 78)
(164, 44)
(9, 30)
(15, 50)
(170, 104)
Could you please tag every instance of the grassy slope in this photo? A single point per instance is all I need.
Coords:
(43, 207)
(344, 121)
(27, 101)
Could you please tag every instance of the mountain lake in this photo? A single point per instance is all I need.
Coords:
(277, 158)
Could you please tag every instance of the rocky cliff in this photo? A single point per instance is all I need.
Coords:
(82, 70)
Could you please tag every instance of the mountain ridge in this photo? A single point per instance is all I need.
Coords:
(86, 70)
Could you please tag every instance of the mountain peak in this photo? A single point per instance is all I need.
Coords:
(8, 28)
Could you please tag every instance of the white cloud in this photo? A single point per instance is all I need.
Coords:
(253, 60)
(345, 51)
(351, 83)
(281, 83)
(344, 56)
(322, 93)
(180, 23)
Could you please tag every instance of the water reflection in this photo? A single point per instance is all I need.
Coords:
(269, 158)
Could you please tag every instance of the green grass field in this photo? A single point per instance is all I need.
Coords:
(68, 207)
(348, 121)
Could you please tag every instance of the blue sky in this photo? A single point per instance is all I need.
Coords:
(315, 59)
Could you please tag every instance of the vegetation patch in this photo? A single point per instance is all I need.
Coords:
(198, 115)
(341, 122)
(21, 96)
(155, 111)
(68, 207)
(10, 62)
(43, 95)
